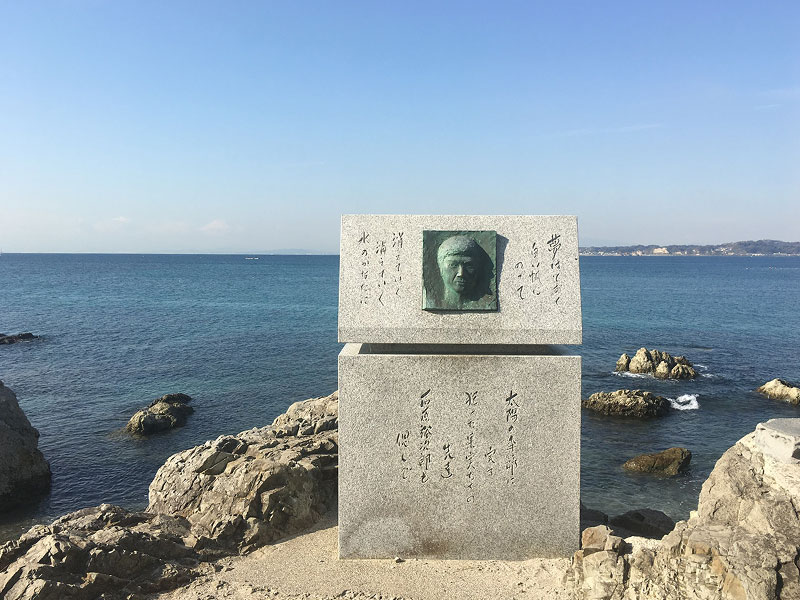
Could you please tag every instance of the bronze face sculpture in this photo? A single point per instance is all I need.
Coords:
(459, 271)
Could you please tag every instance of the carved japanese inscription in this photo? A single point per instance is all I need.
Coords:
(459, 270)
(422, 279)
(470, 456)
(381, 267)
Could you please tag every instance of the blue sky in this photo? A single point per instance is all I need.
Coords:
(252, 126)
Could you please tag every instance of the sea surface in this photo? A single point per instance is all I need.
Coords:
(247, 336)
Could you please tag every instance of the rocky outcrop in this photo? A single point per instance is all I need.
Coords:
(17, 337)
(627, 403)
(227, 496)
(24, 473)
(247, 490)
(742, 543)
(657, 363)
(167, 412)
(667, 462)
(103, 552)
(778, 389)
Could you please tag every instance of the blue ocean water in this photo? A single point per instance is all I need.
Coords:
(246, 338)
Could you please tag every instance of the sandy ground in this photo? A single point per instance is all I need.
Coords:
(307, 567)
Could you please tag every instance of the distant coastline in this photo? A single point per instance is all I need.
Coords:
(748, 248)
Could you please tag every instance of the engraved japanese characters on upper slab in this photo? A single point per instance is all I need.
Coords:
(458, 270)
(391, 289)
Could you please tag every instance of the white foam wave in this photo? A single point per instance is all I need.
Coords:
(629, 374)
(704, 371)
(685, 402)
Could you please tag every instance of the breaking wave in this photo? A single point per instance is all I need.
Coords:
(629, 374)
(685, 402)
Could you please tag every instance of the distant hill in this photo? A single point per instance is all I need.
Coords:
(749, 248)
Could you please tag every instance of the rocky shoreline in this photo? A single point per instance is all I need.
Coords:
(742, 542)
(225, 497)
(216, 509)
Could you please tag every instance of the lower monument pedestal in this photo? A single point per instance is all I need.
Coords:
(467, 456)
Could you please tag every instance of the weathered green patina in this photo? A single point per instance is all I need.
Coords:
(459, 270)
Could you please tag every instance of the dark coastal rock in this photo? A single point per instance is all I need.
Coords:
(227, 496)
(644, 522)
(591, 517)
(778, 389)
(24, 473)
(742, 543)
(627, 403)
(17, 337)
(251, 489)
(667, 462)
(657, 363)
(167, 412)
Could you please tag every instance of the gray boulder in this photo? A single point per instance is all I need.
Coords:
(24, 473)
(247, 490)
(667, 462)
(167, 412)
(627, 403)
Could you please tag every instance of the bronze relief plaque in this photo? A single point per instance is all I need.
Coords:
(459, 270)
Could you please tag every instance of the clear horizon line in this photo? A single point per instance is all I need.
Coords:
(187, 253)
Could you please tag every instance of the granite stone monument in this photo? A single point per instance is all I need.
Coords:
(459, 422)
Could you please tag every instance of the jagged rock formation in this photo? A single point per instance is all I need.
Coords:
(667, 462)
(17, 337)
(742, 543)
(778, 389)
(24, 473)
(657, 363)
(102, 552)
(247, 490)
(167, 412)
(627, 403)
(227, 496)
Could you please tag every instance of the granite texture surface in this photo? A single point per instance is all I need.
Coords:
(381, 287)
(458, 456)
(780, 438)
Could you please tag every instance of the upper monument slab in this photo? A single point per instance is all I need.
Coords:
(434, 279)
